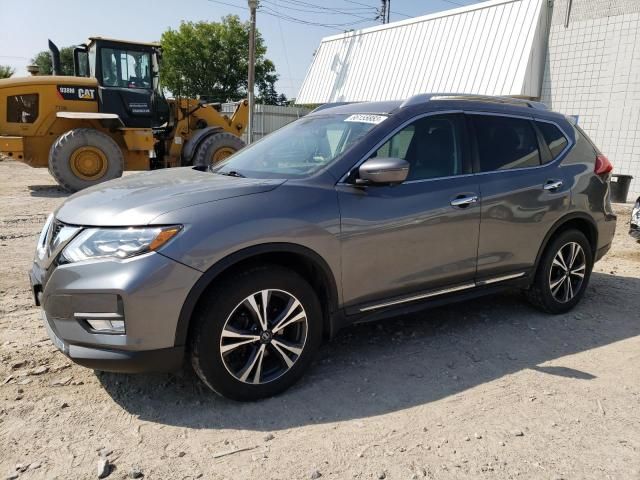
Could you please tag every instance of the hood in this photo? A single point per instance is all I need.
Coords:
(138, 199)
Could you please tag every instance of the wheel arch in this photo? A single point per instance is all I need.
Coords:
(191, 146)
(301, 259)
(581, 222)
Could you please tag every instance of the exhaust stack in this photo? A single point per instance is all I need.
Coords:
(55, 58)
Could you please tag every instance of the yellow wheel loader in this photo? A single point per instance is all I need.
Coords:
(109, 117)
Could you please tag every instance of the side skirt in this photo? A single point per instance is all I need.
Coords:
(431, 299)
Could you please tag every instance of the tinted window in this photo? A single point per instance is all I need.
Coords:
(553, 137)
(22, 108)
(505, 143)
(431, 145)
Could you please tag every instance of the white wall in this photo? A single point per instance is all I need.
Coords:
(486, 48)
(593, 70)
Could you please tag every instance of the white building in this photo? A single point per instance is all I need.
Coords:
(581, 57)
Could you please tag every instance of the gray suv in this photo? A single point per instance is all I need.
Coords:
(353, 213)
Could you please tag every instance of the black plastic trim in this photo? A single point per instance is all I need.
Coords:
(182, 328)
(556, 226)
(147, 361)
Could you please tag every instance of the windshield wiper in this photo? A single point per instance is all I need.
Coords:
(231, 173)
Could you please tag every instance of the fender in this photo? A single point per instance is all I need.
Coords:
(556, 226)
(194, 142)
(182, 329)
(107, 120)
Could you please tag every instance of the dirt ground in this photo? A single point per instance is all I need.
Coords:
(485, 389)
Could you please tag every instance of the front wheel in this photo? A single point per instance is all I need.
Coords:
(216, 148)
(84, 157)
(563, 273)
(255, 335)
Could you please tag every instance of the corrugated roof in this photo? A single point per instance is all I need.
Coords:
(490, 48)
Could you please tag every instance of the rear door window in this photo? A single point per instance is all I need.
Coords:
(553, 137)
(505, 143)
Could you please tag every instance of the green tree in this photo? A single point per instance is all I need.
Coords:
(6, 71)
(211, 59)
(283, 100)
(43, 61)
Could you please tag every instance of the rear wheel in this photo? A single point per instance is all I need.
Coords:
(255, 335)
(563, 273)
(216, 148)
(83, 157)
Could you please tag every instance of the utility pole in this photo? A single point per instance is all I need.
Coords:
(383, 12)
(253, 5)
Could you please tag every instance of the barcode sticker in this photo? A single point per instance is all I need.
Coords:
(366, 118)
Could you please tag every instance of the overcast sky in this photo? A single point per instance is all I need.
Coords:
(27, 24)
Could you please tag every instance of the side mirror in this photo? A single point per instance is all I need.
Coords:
(383, 171)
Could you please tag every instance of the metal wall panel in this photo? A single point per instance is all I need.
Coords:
(268, 118)
(486, 48)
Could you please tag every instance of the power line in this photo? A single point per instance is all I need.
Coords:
(268, 11)
(324, 9)
(454, 3)
(289, 7)
(284, 48)
(359, 3)
(14, 57)
(289, 18)
(371, 6)
(333, 9)
(229, 4)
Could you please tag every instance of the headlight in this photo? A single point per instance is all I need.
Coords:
(41, 249)
(116, 242)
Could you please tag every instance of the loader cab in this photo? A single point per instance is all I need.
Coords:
(128, 76)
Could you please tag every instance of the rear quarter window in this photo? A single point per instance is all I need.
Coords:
(553, 137)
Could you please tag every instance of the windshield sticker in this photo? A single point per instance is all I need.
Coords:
(366, 118)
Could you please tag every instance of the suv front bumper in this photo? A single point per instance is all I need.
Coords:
(147, 292)
(161, 360)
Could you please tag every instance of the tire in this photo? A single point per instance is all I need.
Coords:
(88, 151)
(216, 148)
(227, 308)
(550, 291)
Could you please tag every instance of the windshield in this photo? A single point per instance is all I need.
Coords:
(299, 149)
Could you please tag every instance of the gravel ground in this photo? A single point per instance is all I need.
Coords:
(484, 389)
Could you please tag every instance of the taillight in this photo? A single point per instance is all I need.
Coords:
(603, 165)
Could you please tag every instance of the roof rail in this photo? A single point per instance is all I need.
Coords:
(329, 105)
(426, 97)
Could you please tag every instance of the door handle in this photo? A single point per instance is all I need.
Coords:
(552, 185)
(464, 201)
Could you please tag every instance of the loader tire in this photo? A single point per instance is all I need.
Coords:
(83, 157)
(216, 148)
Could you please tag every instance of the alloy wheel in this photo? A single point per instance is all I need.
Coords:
(264, 336)
(567, 272)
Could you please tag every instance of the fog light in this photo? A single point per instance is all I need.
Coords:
(106, 326)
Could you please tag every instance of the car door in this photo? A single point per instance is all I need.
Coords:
(524, 191)
(421, 235)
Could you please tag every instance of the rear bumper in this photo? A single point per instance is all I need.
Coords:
(142, 361)
(634, 231)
